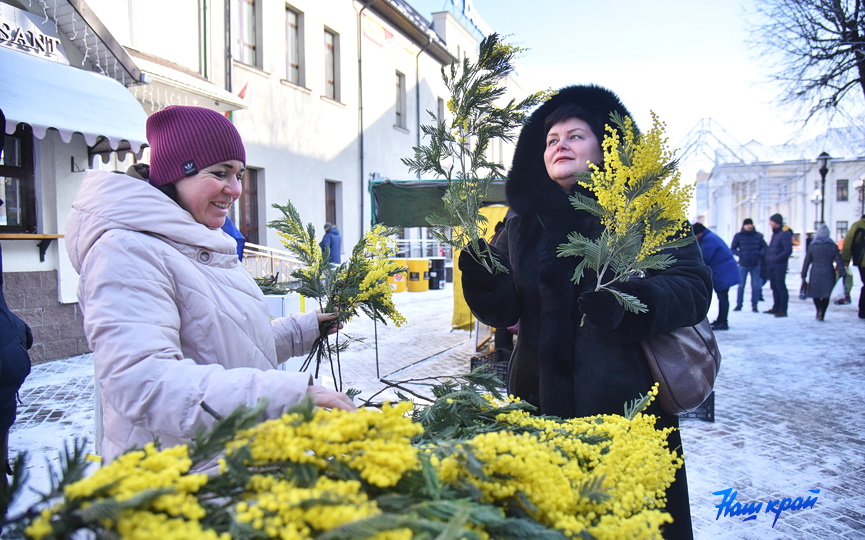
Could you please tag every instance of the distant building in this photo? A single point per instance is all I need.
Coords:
(786, 180)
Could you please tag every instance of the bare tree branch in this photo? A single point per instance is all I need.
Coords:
(819, 46)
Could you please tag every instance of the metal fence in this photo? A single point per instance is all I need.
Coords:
(263, 261)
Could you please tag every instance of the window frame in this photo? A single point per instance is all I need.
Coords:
(242, 47)
(331, 201)
(331, 65)
(294, 47)
(400, 120)
(842, 190)
(247, 208)
(841, 228)
(25, 173)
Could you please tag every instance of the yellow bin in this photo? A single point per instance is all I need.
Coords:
(418, 275)
(398, 282)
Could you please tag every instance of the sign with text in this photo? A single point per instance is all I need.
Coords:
(28, 33)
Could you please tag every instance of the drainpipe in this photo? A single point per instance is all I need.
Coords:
(360, 129)
(205, 61)
(417, 88)
(228, 45)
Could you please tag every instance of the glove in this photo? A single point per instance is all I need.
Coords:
(472, 270)
(601, 309)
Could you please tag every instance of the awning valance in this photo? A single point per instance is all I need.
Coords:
(407, 203)
(46, 95)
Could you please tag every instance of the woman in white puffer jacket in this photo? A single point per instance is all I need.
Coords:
(173, 319)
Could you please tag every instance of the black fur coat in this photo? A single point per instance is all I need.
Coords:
(566, 369)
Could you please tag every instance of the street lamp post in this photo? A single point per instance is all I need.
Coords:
(816, 200)
(822, 161)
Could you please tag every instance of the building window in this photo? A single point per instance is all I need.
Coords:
(331, 64)
(400, 120)
(247, 222)
(841, 190)
(18, 191)
(841, 228)
(440, 110)
(294, 46)
(246, 33)
(331, 198)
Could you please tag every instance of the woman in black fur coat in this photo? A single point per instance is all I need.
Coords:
(566, 369)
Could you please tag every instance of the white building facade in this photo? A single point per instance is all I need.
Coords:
(326, 94)
(783, 180)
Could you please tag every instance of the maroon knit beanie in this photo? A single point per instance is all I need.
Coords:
(185, 140)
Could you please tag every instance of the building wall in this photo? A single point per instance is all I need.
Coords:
(758, 190)
(57, 328)
(296, 138)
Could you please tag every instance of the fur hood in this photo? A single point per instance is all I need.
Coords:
(529, 189)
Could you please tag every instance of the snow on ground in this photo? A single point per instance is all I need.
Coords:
(786, 412)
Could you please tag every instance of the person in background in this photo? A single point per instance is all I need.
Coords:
(179, 329)
(749, 247)
(848, 280)
(777, 254)
(560, 365)
(854, 251)
(504, 337)
(825, 264)
(15, 340)
(764, 275)
(725, 273)
(231, 230)
(332, 241)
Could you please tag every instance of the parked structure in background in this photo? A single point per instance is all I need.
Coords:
(325, 93)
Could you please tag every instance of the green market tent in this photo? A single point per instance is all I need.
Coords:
(407, 203)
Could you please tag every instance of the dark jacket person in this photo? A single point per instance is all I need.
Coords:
(332, 241)
(725, 271)
(564, 368)
(748, 245)
(777, 254)
(15, 340)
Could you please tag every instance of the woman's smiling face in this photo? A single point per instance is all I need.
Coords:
(209, 194)
(570, 147)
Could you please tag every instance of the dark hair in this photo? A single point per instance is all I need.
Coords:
(572, 110)
(170, 190)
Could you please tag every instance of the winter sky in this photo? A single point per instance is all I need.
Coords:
(686, 60)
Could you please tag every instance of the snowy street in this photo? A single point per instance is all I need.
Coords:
(787, 411)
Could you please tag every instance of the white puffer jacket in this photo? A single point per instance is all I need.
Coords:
(172, 317)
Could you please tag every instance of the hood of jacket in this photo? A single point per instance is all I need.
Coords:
(529, 188)
(107, 201)
(822, 235)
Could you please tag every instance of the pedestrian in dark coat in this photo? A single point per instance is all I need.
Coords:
(332, 240)
(725, 271)
(777, 254)
(854, 251)
(750, 247)
(15, 340)
(565, 368)
(824, 260)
